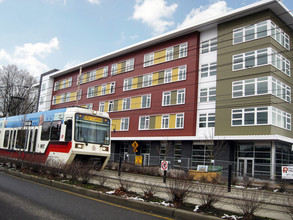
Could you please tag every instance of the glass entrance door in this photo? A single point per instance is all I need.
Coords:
(245, 166)
(146, 160)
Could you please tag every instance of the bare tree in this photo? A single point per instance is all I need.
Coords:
(17, 95)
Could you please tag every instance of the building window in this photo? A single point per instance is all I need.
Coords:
(92, 75)
(168, 76)
(147, 80)
(207, 120)
(114, 69)
(126, 104)
(111, 106)
(182, 73)
(281, 119)
(181, 96)
(183, 50)
(260, 30)
(259, 86)
(124, 124)
(208, 70)
(102, 107)
(207, 94)
(144, 123)
(169, 54)
(62, 98)
(209, 45)
(148, 59)
(104, 89)
(145, 101)
(127, 84)
(166, 98)
(105, 72)
(165, 121)
(129, 65)
(112, 87)
(54, 101)
(180, 120)
(259, 58)
(90, 92)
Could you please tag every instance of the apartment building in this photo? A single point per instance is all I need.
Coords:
(215, 93)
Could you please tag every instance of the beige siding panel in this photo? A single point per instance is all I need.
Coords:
(161, 77)
(123, 66)
(176, 52)
(152, 122)
(119, 103)
(139, 81)
(99, 90)
(173, 97)
(155, 79)
(175, 74)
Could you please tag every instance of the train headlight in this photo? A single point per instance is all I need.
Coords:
(105, 148)
(79, 146)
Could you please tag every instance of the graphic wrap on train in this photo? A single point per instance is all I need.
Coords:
(58, 136)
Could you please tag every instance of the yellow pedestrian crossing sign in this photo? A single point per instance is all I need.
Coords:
(135, 146)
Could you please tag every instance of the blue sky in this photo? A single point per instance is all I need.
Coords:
(40, 35)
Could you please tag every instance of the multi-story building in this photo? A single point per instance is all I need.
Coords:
(218, 92)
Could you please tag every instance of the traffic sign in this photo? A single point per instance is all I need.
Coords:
(135, 146)
(138, 160)
(164, 165)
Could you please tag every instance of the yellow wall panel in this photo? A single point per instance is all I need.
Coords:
(155, 78)
(172, 121)
(119, 108)
(106, 106)
(175, 74)
(134, 82)
(99, 73)
(85, 78)
(99, 90)
(119, 68)
(160, 56)
(108, 88)
(58, 99)
(158, 122)
(135, 102)
(72, 96)
(116, 124)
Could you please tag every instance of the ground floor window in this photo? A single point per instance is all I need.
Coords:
(201, 155)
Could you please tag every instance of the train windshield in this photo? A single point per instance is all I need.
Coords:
(92, 129)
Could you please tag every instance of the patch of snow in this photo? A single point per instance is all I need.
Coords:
(196, 208)
(110, 192)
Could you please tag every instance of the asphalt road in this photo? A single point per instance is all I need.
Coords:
(22, 199)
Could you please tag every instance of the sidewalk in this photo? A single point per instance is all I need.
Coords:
(272, 210)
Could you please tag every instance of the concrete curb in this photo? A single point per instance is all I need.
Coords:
(139, 205)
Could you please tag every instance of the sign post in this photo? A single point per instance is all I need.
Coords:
(164, 167)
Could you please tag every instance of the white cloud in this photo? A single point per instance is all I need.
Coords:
(154, 13)
(29, 56)
(95, 2)
(204, 13)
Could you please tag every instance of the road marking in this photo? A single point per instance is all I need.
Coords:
(98, 200)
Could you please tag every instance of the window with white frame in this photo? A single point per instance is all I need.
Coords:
(182, 73)
(181, 96)
(260, 30)
(63, 85)
(281, 90)
(209, 45)
(111, 106)
(67, 97)
(147, 80)
(169, 53)
(144, 122)
(129, 64)
(281, 119)
(90, 92)
(102, 107)
(207, 94)
(63, 98)
(79, 94)
(145, 101)
(105, 72)
(89, 106)
(209, 69)
(104, 89)
(183, 50)
(92, 75)
(148, 59)
(54, 101)
(127, 85)
(166, 98)
(168, 76)
(124, 124)
(259, 58)
(57, 86)
(114, 69)
(70, 82)
(126, 104)
(207, 120)
(180, 120)
(165, 121)
(112, 87)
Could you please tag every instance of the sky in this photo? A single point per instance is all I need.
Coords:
(41, 35)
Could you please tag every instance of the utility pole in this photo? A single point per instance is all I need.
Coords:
(78, 85)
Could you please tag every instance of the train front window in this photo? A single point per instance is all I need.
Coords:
(92, 129)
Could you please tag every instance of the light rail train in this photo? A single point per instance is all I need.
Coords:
(58, 136)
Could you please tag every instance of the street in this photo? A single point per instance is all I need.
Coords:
(22, 199)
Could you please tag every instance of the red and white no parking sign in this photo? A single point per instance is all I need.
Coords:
(164, 165)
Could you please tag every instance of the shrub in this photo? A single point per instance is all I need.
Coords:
(149, 190)
(209, 195)
(178, 190)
